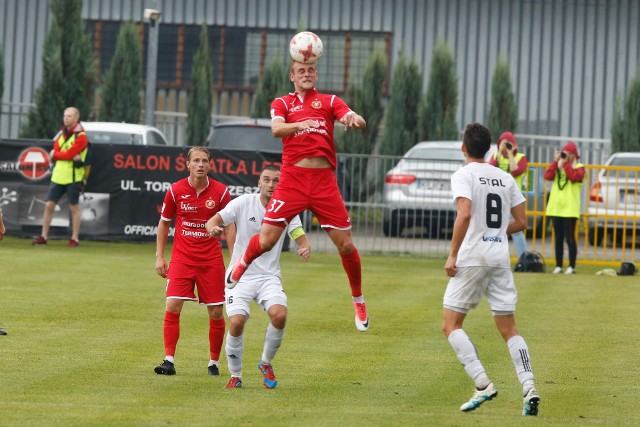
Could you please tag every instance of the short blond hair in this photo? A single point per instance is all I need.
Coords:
(201, 149)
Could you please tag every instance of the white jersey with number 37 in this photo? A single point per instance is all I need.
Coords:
(493, 193)
(247, 212)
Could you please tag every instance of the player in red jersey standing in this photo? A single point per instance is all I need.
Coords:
(196, 258)
(304, 120)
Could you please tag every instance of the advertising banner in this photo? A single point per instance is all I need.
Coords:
(125, 191)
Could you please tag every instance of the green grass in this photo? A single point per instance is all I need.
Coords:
(85, 331)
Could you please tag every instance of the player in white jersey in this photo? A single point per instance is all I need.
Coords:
(262, 280)
(478, 264)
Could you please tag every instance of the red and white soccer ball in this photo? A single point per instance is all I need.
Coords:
(305, 47)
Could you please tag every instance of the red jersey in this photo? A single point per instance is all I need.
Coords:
(313, 142)
(191, 242)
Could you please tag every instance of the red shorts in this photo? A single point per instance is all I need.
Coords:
(308, 188)
(182, 280)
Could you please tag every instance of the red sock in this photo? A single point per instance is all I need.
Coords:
(352, 267)
(171, 332)
(253, 250)
(216, 335)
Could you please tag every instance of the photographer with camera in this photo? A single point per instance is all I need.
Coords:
(68, 177)
(511, 161)
(563, 206)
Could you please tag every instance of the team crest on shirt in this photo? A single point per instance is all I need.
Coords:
(316, 104)
(210, 204)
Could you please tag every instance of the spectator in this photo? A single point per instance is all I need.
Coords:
(69, 152)
(563, 206)
(511, 161)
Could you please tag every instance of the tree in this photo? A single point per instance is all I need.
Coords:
(503, 110)
(438, 109)
(401, 122)
(366, 100)
(123, 83)
(625, 126)
(200, 100)
(68, 71)
(275, 82)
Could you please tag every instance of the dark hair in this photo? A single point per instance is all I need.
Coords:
(273, 168)
(477, 140)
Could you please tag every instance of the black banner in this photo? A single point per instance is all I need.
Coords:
(126, 187)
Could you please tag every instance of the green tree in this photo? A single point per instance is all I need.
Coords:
(439, 107)
(1, 76)
(503, 110)
(366, 100)
(69, 71)
(123, 83)
(401, 122)
(200, 100)
(625, 126)
(275, 82)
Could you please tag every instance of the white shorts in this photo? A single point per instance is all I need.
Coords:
(466, 288)
(264, 290)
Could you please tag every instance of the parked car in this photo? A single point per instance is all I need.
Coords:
(614, 199)
(123, 133)
(417, 191)
(244, 135)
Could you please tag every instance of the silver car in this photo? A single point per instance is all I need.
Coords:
(614, 199)
(123, 133)
(417, 191)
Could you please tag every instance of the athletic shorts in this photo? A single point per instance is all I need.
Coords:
(56, 191)
(466, 288)
(308, 188)
(264, 290)
(182, 280)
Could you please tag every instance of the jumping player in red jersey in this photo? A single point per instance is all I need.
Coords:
(304, 120)
(196, 258)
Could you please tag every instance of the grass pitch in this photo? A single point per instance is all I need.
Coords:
(85, 331)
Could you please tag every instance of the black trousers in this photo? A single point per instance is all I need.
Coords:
(565, 229)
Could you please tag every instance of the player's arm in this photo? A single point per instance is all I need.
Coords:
(3, 230)
(214, 226)
(460, 227)
(281, 129)
(304, 247)
(519, 221)
(230, 232)
(161, 244)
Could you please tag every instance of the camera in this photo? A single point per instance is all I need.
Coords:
(508, 145)
(563, 155)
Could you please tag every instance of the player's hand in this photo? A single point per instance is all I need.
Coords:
(161, 267)
(556, 156)
(307, 124)
(352, 120)
(450, 266)
(304, 252)
(215, 231)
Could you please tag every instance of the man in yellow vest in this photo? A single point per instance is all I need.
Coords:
(69, 152)
(512, 162)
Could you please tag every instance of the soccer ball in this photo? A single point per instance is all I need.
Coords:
(305, 47)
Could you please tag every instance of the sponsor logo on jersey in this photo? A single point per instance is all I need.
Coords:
(210, 204)
(187, 207)
(496, 239)
(316, 104)
(252, 219)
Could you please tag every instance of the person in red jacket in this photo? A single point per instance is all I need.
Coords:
(69, 152)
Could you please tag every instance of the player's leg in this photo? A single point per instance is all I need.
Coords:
(234, 347)
(463, 293)
(258, 244)
(171, 333)
(519, 352)
(273, 300)
(217, 327)
(210, 284)
(350, 257)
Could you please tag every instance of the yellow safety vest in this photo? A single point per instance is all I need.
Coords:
(564, 197)
(64, 172)
(503, 164)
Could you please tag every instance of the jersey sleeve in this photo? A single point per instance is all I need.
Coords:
(294, 224)
(168, 206)
(229, 213)
(339, 107)
(516, 195)
(278, 109)
(461, 184)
